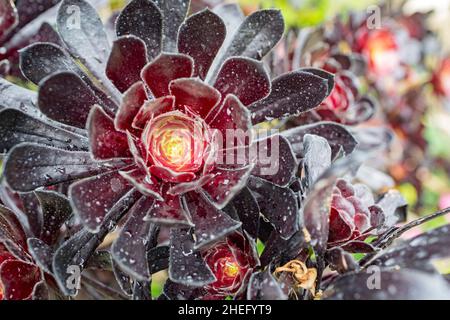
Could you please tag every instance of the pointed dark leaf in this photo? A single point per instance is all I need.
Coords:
(158, 259)
(263, 286)
(201, 37)
(128, 57)
(173, 12)
(276, 162)
(292, 94)
(83, 33)
(143, 19)
(42, 254)
(77, 250)
(92, 198)
(186, 265)
(130, 248)
(147, 185)
(65, 97)
(337, 136)
(56, 210)
(394, 285)
(278, 205)
(256, 36)
(210, 223)
(29, 166)
(322, 74)
(17, 127)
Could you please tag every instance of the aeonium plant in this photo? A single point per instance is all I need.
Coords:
(339, 219)
(138, 129)
(391, 57)
(348, 102)
(31, 228)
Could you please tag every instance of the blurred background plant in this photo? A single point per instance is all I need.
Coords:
(421, 174)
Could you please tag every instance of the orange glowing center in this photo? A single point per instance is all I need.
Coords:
(445, 80)
(176, 142)
(175, 148)
(383, 53)
(230, 267)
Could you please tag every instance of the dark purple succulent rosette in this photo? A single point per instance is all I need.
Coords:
(338, 219)
(104, 131)
(355, 216)
(348, 102)
(230, 264)
(24, 22)
(29, 234)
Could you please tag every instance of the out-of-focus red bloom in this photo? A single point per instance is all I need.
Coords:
(441, 78)
(381, 50)
(231, 261)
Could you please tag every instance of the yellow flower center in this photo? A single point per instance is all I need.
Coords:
(174, 147)
(231, 269)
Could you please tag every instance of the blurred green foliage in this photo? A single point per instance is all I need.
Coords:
(296, 12)
(409, 192)
(303, 13)
(157, 288)
(437, 141)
